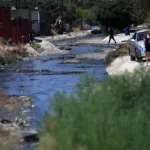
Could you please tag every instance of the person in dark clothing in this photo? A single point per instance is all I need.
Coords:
(111, 35)
(147, 46)
(31, 38)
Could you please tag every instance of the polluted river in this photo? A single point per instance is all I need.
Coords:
(42, 77)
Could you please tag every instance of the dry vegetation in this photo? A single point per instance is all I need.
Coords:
(7, 142)
(9, 53)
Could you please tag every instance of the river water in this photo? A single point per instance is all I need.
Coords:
(43, 77)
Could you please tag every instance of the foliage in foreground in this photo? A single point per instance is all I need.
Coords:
(111, 115)
(116, 53)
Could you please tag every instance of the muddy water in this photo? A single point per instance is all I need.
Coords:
(43, 77)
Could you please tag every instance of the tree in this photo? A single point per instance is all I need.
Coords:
(115, 13)
(70, 12)
(81, 15)
(30, 4)
(139, 8)
(121, 13)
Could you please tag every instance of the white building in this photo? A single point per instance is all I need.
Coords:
(35, 17)
(40, 23)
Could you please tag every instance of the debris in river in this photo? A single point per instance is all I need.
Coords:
(16, 125)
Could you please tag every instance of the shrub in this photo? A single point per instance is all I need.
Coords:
(76, 30)
(114, 54)
(36, 46)
(111, 115)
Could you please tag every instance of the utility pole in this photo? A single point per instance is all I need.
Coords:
(62, 16)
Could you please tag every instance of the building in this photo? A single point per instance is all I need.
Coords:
(20, 23)
(5, 23)
(40, 22)
(35, 17)
(44, 24)
(13, 23)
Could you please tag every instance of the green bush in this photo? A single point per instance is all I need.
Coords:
(111, 115)
(36, 46)
(114, 54)
(7, 60)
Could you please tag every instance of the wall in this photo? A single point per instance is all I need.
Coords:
(35, 17)
(5, 27)
(44, 24)
(23, 13)
(20, 27)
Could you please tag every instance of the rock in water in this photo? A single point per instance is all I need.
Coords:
(5, 121)
(29, 135)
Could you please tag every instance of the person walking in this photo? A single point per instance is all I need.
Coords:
(111, 35)
(147, 47)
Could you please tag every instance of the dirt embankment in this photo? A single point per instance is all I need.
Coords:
(123, 64)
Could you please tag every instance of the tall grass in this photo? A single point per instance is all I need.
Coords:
(111, 115)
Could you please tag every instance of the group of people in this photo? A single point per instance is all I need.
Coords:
(24, 39)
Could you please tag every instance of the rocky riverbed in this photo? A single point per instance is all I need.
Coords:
(14, 117)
